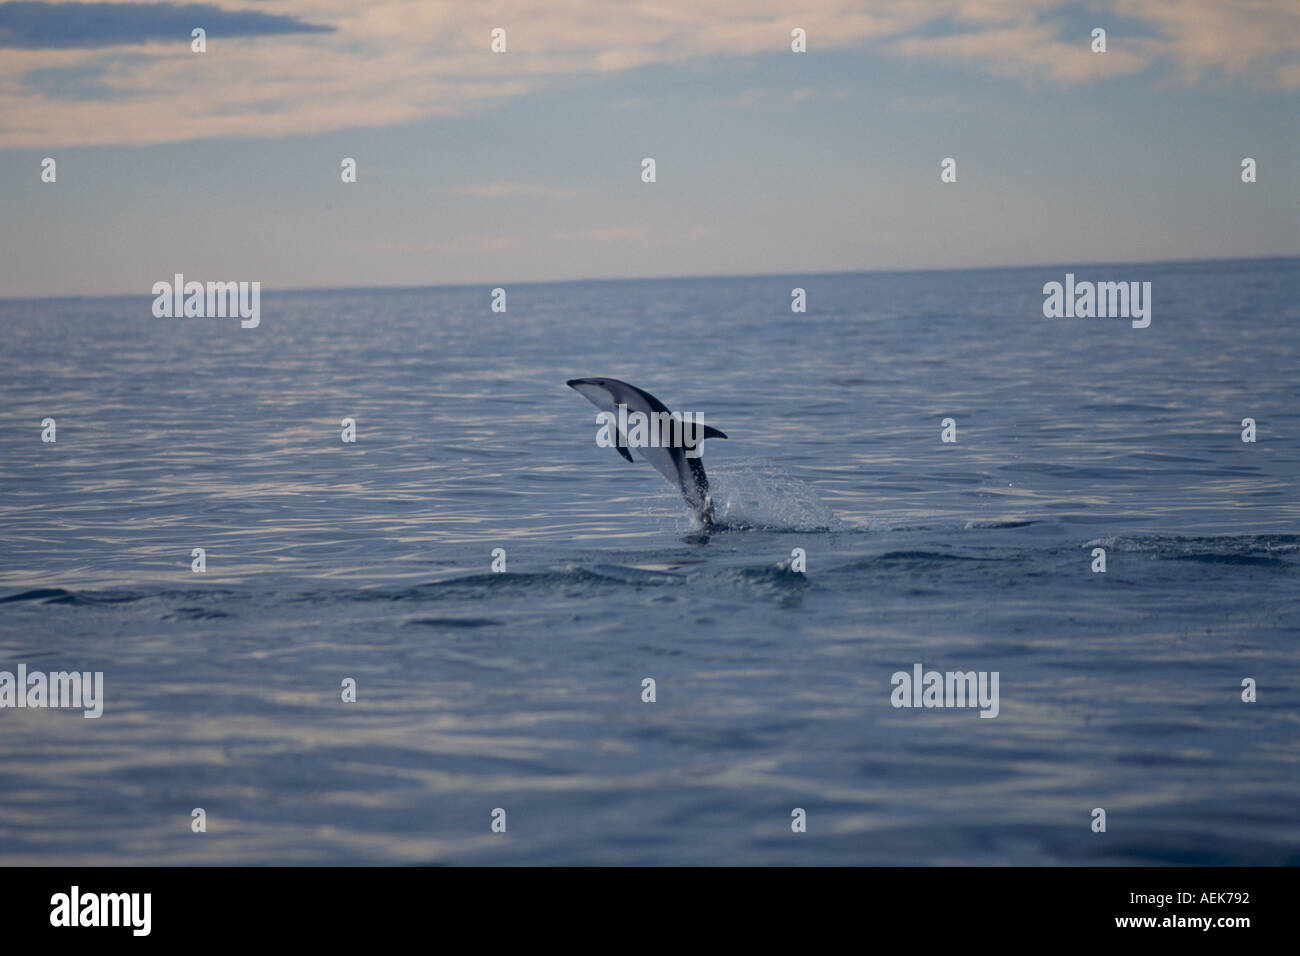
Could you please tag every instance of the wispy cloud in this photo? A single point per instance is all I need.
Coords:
(1196, 39)
(474, 245)
(616, 234)
(512, 190)
(43, 25)
(1028, 50)
(783, 97)
(124, 72)
(1203, 38)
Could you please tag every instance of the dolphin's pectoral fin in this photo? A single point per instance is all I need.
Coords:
(711, 432)
(620, 442)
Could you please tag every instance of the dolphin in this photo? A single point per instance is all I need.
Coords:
(684, 472)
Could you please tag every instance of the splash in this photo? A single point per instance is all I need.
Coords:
(765, 498)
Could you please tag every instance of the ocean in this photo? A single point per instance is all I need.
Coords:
(519, 697)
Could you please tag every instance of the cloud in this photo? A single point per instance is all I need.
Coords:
(40, 25)
(1204, 38)
(782, 97)
(472, 245)
(505, 190)
(1026, 51)
(1197, 39)
(339, 64)
(72, 82)
(615, 234)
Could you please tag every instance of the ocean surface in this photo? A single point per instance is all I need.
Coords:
(522, 690)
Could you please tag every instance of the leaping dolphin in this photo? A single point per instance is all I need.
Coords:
(683, 471)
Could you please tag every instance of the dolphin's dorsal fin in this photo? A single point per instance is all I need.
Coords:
(711, 432)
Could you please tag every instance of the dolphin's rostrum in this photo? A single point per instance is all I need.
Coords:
(670, 460)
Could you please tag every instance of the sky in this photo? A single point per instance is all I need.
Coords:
(526, 166)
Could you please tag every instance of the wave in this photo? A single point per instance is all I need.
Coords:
(1253, 550)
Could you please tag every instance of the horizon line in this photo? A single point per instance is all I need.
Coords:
(307, 290)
